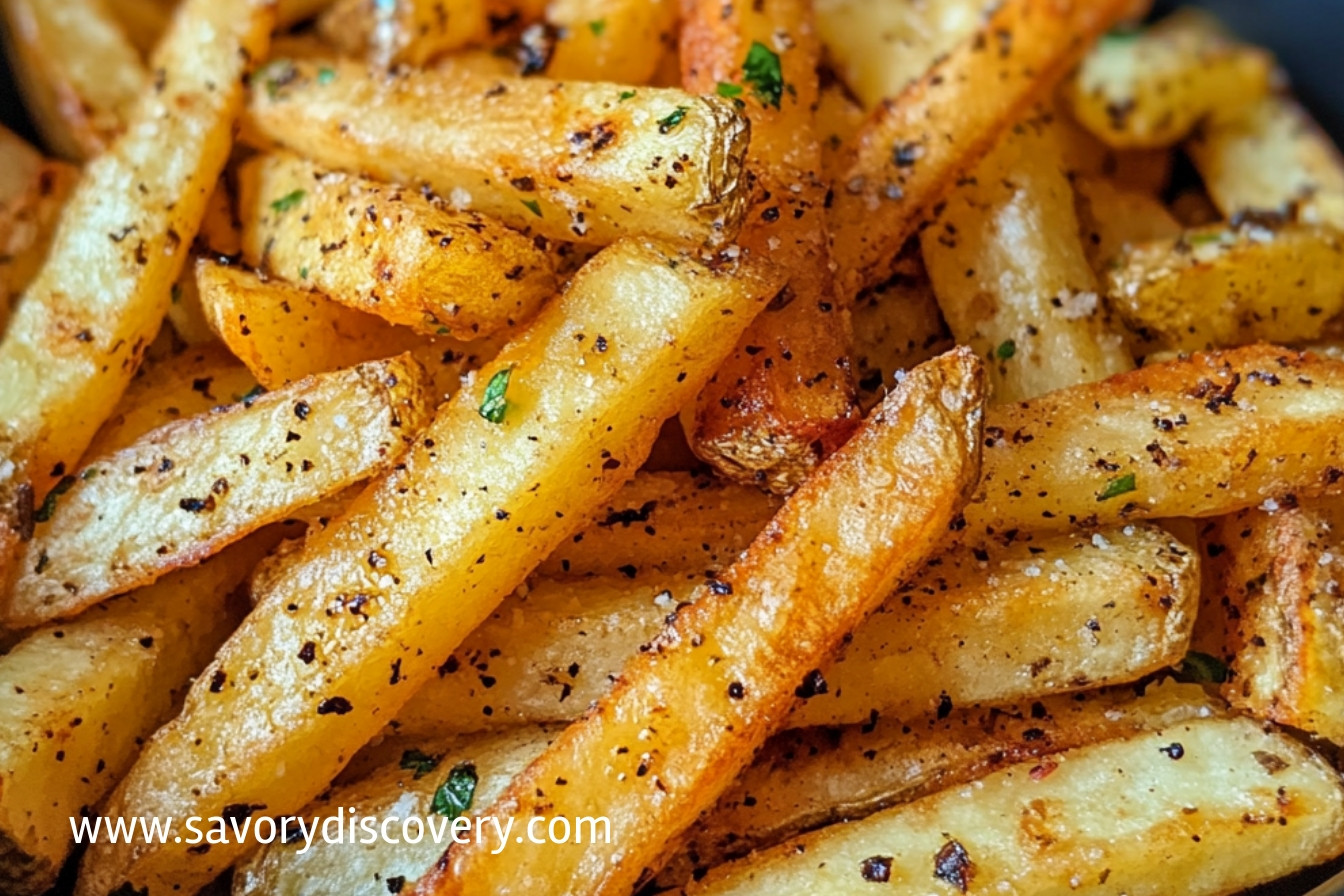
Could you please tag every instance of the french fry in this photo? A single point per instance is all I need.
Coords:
(611, 40)
(687, 715)
(879, 49)
(404, 32)
(389, 251)
(837, 119)
(31, 200)
(1146, 171)
(564, 422)
(1240, 806)
(193, 382)
(785, 399)
(811, 777)
(79, 75)
(284, 333)
(913, 147)
(897, 325)
(142, 21)
(1112, 218)
(1011, 276)
(1271, 612)
(582, 162)
(182, 492)
(77, 337)
(1151, 87)
(667, 522)
(1221, 286)
(1202, 436)
(1271, 157)
(78, 698)
(976, 625)
(220, 236)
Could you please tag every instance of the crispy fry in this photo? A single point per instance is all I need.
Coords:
(611, 40)
(913, 147)
(570, 161)
(1013, 282)
(389, 251)
(462, 523)
(201, 483)
(1119, 810)
(33, 192)
(142, 21)
(679, 726)
(404, 32)
(897, 325)
(79, 75)
(76, 339)
(1112, 218)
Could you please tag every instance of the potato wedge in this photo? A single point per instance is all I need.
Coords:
(1222, 286)
(1272, 157)
(193, 382)
(1239, 807)
(29, 213)
(1146, 171)
(1012, 279)
(897, 325)
(576, 162)
(1202, 436)
(76, 339)
(78, 698)
(182, 492)
(79, 75)
(1150, 87)
(913, 147)
(1112, 217)
(578, 416)
(838, 118)
(811, 777)
(388, 251)
(985, 625)
(623, 41)
(785, 399)
(679, 726)
(668, 522)
(1272, 612)
(284, 333)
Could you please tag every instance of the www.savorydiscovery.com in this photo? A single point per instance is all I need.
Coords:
(341, 828)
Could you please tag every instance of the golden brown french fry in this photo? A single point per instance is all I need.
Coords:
(404, 32)
(913, 147)
(78, 698)
(1151, 87)
(389, 251)
(31, 201)
(182, 492)
(79, 75)
(142, 21)
(564, 422)
(1272, 157)
(77, 337)
(1011, 276)
(200, 378)
(611, 40)
(599, 161)
(879, 49)
(1145, 171)
(220, 236)
(837, 119)
(1201, 436)
(1205, 806)
(1271, 612)
(785, 399)
(284, 333)
(1112, 218)
(668, 522)
(811, 777)
(687, 716)
(1223, 285)
(897, 325)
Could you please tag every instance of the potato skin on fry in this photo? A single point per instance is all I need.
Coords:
(570, 161)
(389, 251)
(386, 592)
(687, 715)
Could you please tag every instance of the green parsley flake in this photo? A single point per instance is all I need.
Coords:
(598, 27)
(1202, 668)
(276, 74)
(495, 403)
(1204, 239)
(326, 75)
(762, 71)
(1120, 485)
(626, 95)
(532, 205)
(48, 507)
(90, 473)
(1007, 348)
(728, 91)
(665, 125)
(453, 798)
(288, 201)
(303, 273)
(420, 763)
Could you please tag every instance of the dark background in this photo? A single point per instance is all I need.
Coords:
(1306, 37)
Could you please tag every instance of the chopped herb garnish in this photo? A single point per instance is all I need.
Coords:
(762, 71)
(1202, 668)
(288, 201)
(627, 95)
(1120, 485)
(48, 507)
(453, 798)
(442, 331)
(725, 89)
(420, 763)
(598, 27)
(276, 74)
(533, 206)
(1007, 348)
(495, 403)
(90, 473)
(303, 273)
(326, 75)
(250, 395)
(1203, 239)
(1122, 34)
(665, 125)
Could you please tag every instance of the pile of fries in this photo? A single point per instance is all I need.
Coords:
(834, 442)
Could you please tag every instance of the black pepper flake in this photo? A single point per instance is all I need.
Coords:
(953, 866)
(814, 683)
(717, 586)
(394, 884)
(944, 706)
(736, 690)
(301, 410)
(876, 869)
(1173, 750)
(308, 652)
(338, 706)
(196, 505)
(217, 681)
